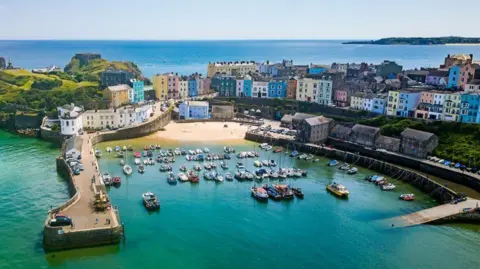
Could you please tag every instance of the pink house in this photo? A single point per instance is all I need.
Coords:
(341, 98)
(206, 86)
(173, 85)
(426, 99)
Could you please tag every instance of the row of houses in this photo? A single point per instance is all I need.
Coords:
(317, 129)
(172, 86)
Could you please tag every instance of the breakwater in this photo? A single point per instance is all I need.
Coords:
(441, 193)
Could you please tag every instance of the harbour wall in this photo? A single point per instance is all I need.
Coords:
(463, 217)
(245, 121)
(441, 193)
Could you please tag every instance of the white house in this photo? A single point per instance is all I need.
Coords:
(71, 122)
(183, 89)
(193, 110)
(260, 89)
(307, 89)
(473, 86)
(116, 118)
(324, 92)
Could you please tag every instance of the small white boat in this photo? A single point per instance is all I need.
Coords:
(98, 153)
(127, 169)
(388, 187)
(137, 161)
(268, 147)
(145, 162)
(257, 163)
(109, 149)
(182, 177)
(122, 162)
(141, 169)
(206, 150)
(219, 178)
(352, 171)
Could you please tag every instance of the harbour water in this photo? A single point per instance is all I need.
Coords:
(219, 225)
(186, 57)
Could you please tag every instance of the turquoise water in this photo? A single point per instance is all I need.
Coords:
(186, 57)
(212, 225)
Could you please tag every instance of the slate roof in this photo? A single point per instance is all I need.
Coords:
(287, 118)
(387, 140)
(341, 130)
(416, 134)
(359, 128)
(474, 82)
(439, 73)
(301, 116)
(317, 120)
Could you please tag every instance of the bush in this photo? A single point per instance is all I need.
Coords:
(46, 84)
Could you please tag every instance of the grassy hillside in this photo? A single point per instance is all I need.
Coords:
(92, 71)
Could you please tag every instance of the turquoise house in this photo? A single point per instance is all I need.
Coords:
(136, 94)
(469, 108)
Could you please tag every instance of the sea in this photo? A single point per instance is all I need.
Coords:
(187, 57)
(219, 225)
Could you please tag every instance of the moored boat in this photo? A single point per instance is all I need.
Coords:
(207, 166)
(197, 167)
(116, 181)
(98, 153)
(332, 163)
(338, 190)
(257, 163)
(192, 176)
(171, 179)
(116, 148)
(107, 179)
(122, 162)
(224, 165)
(277, 149)
(344, 167)
(150, 201)
(298, 192)
(141, 169)
(219, 178)
(259, 193)
(285, 191)
(127, 169)
(183, 168)
(228, 177)
(272, 193)
(294, 154)
(109, 149)
(182, 177)
(407, 197)
(387, 187)
(240, 165)
(137, 161)
(352, 171)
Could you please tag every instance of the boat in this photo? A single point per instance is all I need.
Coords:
(182, 177)
(76, 171)
(213, 165)
(263, 145)
(119, 154)
(224, 165)
(407, 197)
(226, 156)
(197, 167)
(137, 161)
(192, 176)
(332, 163)
(248, 175)
(206, 150)
(149, 153)
(109, 149)
(219, 178)
(124, 148)
(150, 201)
(272, 193)
(259, 193)
(257, 163)
(127, 169)
(116, 148)
(268, 147)
(294, 154)
(147, 147)
(207, 166)
(316, 160)
(130, 148)
(183, 152)
(273, 174)
(352, 171)
(344, 167)
(137, 154)
(165, 168)
(208, 176)
(116, 181)
(177, 151)
(171, 179)
(272, 163)
(183, 168)
(145, 162)
(285, 191)
(122, 162)
(144, 153)
(107, 179)
(282, 174)
(240, 165)
(302, 157)
(309, 157)
(298, 192)
(199, 151)
(387, 187)
(277, 149)
(338, 190)
(141, 169)
(265, 163)
(228, 177)
(158, 146)
(98, 153)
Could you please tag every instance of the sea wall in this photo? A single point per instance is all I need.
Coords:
(464, 217)
(440, 193)
(51, 136)
(245, 121)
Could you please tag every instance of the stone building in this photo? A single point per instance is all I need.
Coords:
(115, 77)
(389, 69)
(299, 117)
(3, 63)
(222, 111)
(417, 143)
(341, 132)
(286, 121)
(314, 130)
(364, 135)
(387, 143)
(456, 59)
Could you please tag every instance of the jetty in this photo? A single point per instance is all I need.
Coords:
(443, 213)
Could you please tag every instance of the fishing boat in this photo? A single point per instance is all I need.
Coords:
(282, 174)
(116, 181)
(272, 193)
(224, 165)
(263, 145)
(338, 190)
(171, 179)
(257, 163)
(272, 163)
(277, 149)
(144, 153)
(344, 167)
(226, 156)
(149, 153)
(387, 187)
(228, 177)
(352, 171)
(219, 178)
(294, 154)
(182, 177)
(183, 152)
(207, 166)
(150, 201)
(107, 179)
(298, 192)
(259, 193)
(285, 191)
(109, 149)
(141, 169)
(98, 153)
(197, 167)
(177, 151)
(240, 165)
(332, 163)
(183, 168)
(127, 169)
(213, 165)
(273, 174)
(116, 148)
(137, 161)
(122, 162)
(145, 162)
(147, 147)
(157, 146)
(199, 151)
(249, 176)
(407, 197)
(120, 154)
(137, 154)
(192, 176)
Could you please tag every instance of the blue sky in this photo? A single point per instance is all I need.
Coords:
(240, 19)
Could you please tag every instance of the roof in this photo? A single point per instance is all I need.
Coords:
(462, 57)
(359, 94)
(68, 107)
(474, 82)
(439, 73)
(317, 120)
(287, 118)
(301, 116)
(416, 134)
(387, 140)
(118, 88)
(364, 129)
(341, 129)
(74, 143)
(197, 103)
(417, 72)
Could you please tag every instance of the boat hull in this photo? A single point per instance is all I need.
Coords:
(337, 193)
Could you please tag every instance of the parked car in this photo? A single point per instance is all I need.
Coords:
(60, 220)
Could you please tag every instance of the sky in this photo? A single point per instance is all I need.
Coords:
(239, 19)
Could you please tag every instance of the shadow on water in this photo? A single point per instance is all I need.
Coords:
(58, 258)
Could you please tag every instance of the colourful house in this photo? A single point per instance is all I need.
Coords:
(160, 85)
(407, 103)
(224, 85)
(459, 76)
(357, 100)
(137, 93)
(277, 88)
(340, 98)
(379, 104)
(426, 100)
(469, 108)
(316, 69)
(192, 87)
(247, 86)
(451, 107)
(173, 86)
(239, 92)
(291, 88)
(193, 110)
(392, 103)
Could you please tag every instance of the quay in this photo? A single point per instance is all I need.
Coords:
(447, 212)
(92, 227)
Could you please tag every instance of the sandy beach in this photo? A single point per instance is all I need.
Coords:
(202, 131)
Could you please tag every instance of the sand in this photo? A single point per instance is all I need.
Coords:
(202, 131)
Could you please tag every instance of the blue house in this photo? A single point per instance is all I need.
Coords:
(453, 76)
(192, 87)
(317, 69)
(277, 89)
(136, 94)
(469, 108)
(379, 104)
(247, 87)
(407, 104)
(193, 110)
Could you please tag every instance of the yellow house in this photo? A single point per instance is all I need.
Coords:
(392, 105)
(160, 85)
(118, 95)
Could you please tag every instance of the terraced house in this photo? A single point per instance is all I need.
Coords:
(407, 103)
(224, 85)
(469, 108)
(392, 103)
(277, 88)
(160, 85)
(451, 107)
(307, 89)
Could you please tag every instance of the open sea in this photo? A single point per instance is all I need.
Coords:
(186, 57)
(219, 225)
